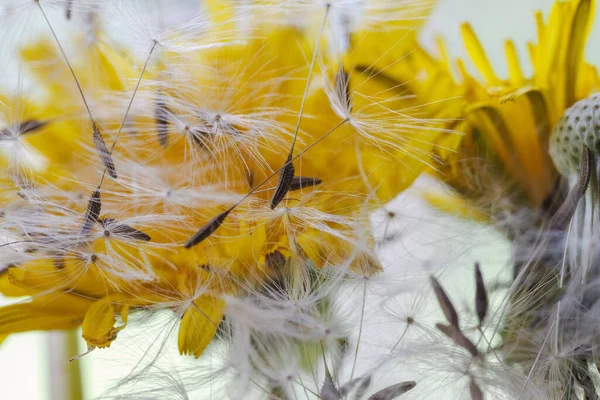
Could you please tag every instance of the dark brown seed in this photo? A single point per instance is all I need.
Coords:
(391, 392)
(69, 9)
(92, 212)
(161, 114)
(481, 298)
(445, 302)
(342, 87)
(458, 338)
(283, 185)
(329, 391)
(31, 125)
(103, 151)
(207, 229)
(475, 390)
(300, 182)
(123, 230)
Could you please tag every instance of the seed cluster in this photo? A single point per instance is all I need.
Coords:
(579, 127)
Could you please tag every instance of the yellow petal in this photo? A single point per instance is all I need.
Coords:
(25, 317)
(477, 54)
(514, 68)
(580, 29)
(7, 288)
(454, 205)
(98, 328)
(199, 324)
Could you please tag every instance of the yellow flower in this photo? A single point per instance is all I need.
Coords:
(507, 122)
(200, 135)
(501, 170)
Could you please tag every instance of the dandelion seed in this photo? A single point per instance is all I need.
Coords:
(92, 212)
(30, 126)
(275, 279)
(481, 298)
(452, 332)
(284, 184)
(208, 229)
(394, 391)
(342, 88)
(444, 302)
(301, 182)
(105, 155)
(162, 122)
(119, 229)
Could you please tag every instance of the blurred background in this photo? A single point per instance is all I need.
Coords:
(28, 362)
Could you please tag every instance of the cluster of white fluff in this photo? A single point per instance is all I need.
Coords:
(338, 332)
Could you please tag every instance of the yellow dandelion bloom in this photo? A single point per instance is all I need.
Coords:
(507, 122)
(525, 138)
(172, 186)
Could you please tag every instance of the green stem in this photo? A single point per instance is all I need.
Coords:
(65, 376)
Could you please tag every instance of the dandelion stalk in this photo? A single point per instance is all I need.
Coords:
(65, 377)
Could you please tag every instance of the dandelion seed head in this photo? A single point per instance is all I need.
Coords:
(577, 128)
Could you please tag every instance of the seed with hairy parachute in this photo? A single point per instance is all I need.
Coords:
(393, 391)
(481, 298)
(283, 185)
(301, 182)
(458, 338)
(92, 212)
(24, 127)
(103, 151)
(342, 88)
(445, 302)
(162, 122)
(30, 126)
(208, 229)
(119, 229)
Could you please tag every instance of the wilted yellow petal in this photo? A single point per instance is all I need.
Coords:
(98, 328)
